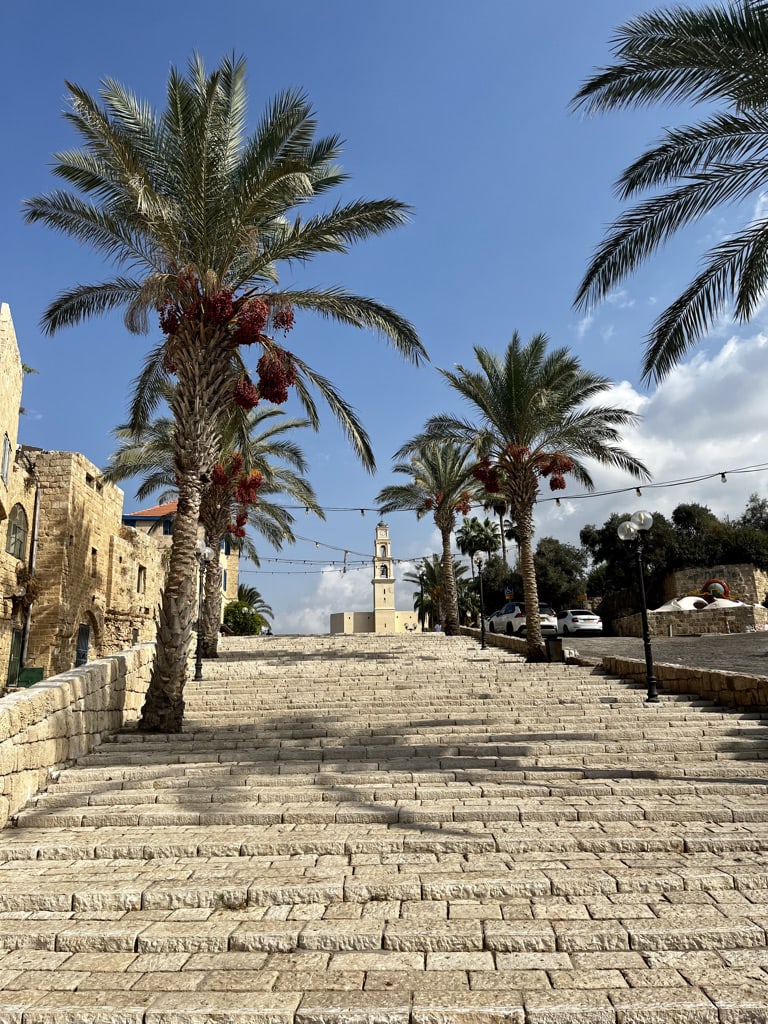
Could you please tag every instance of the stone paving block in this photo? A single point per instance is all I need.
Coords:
(240, 1008)
(354, 1008)
(442, 936)
(663, 1006)
(565, 1007)
(85, 1008)
(475, 1008)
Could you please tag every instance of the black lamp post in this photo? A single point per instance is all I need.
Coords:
(632, 529)
(421, 606)
(479, 564)
(204, 556)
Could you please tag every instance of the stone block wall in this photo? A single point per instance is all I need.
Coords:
(746, 619)
(746, 583)
(53, 722)
(736, 690)
(16, 486)
(92, 570)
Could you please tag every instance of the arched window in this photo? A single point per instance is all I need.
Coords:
(383, 551)
(16, 539)
(384, 572)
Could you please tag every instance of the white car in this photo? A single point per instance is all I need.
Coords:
(511, 620)
(579, 620)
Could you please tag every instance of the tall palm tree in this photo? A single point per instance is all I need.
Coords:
(440, 482)
(252, 442)
(713, 54)
(199, 216)
(536, 419)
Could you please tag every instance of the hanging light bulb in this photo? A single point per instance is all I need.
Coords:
(362, 512)
(557, 502)
(723, 478)
(638, 492)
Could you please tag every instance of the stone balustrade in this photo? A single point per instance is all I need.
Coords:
(64, 717)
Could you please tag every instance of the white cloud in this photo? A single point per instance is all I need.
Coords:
(584, 324)
(621, 299)
(708, 416)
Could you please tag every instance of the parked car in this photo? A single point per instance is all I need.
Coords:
(579, 620)
(511, 619)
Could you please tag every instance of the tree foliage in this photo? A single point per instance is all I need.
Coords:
(561, 573)
(242, 619)
(713, 55)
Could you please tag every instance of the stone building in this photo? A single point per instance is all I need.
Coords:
(157, 522)
(384, 618)
(77, 582)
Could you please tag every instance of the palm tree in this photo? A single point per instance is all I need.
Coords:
(468, 539)
(436, 598)
(535, 420)
(713, 55)
(251, 442)
(441, 482)
(254, 600)
(199, 216)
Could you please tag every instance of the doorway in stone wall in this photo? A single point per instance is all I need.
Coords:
(83, 642)
(14, 663)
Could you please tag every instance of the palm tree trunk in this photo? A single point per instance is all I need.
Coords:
(212, 608)
(503, 538)
(199, 400)
(163, 708)
(534, 639)
(451, 611)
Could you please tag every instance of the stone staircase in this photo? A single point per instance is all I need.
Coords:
(369, 830)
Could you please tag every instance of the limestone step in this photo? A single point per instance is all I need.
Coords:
(387, 831)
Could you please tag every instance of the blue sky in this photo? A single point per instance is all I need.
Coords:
(461, 112)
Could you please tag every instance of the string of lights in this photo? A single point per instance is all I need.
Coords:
(366, 558)
(634, 488)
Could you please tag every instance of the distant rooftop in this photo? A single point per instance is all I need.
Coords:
(156, 512)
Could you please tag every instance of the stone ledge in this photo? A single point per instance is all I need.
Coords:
(733, 689)
(65, 717)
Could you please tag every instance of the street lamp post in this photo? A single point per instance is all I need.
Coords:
(421, 606)
(479, 564)
(204, 556)
(632, 529)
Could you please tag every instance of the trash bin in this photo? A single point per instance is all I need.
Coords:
(554, 648)
(30, 676)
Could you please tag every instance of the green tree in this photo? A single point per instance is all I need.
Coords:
(560, 572)
(537, 419)
(755, 514)
(468, 539)
(252, 597)
(437, 597)
(242, 619)
(199, 217)
(474, 536)
(713, 55)
(441, 483)
(498, 578)
(613, 576)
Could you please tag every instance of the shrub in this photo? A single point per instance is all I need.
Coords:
(242, 620)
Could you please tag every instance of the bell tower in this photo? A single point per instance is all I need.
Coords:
(383, 582)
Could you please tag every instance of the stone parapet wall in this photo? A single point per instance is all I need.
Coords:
(707, 620)
(737, 690)
(64, 717)
(746, 583)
